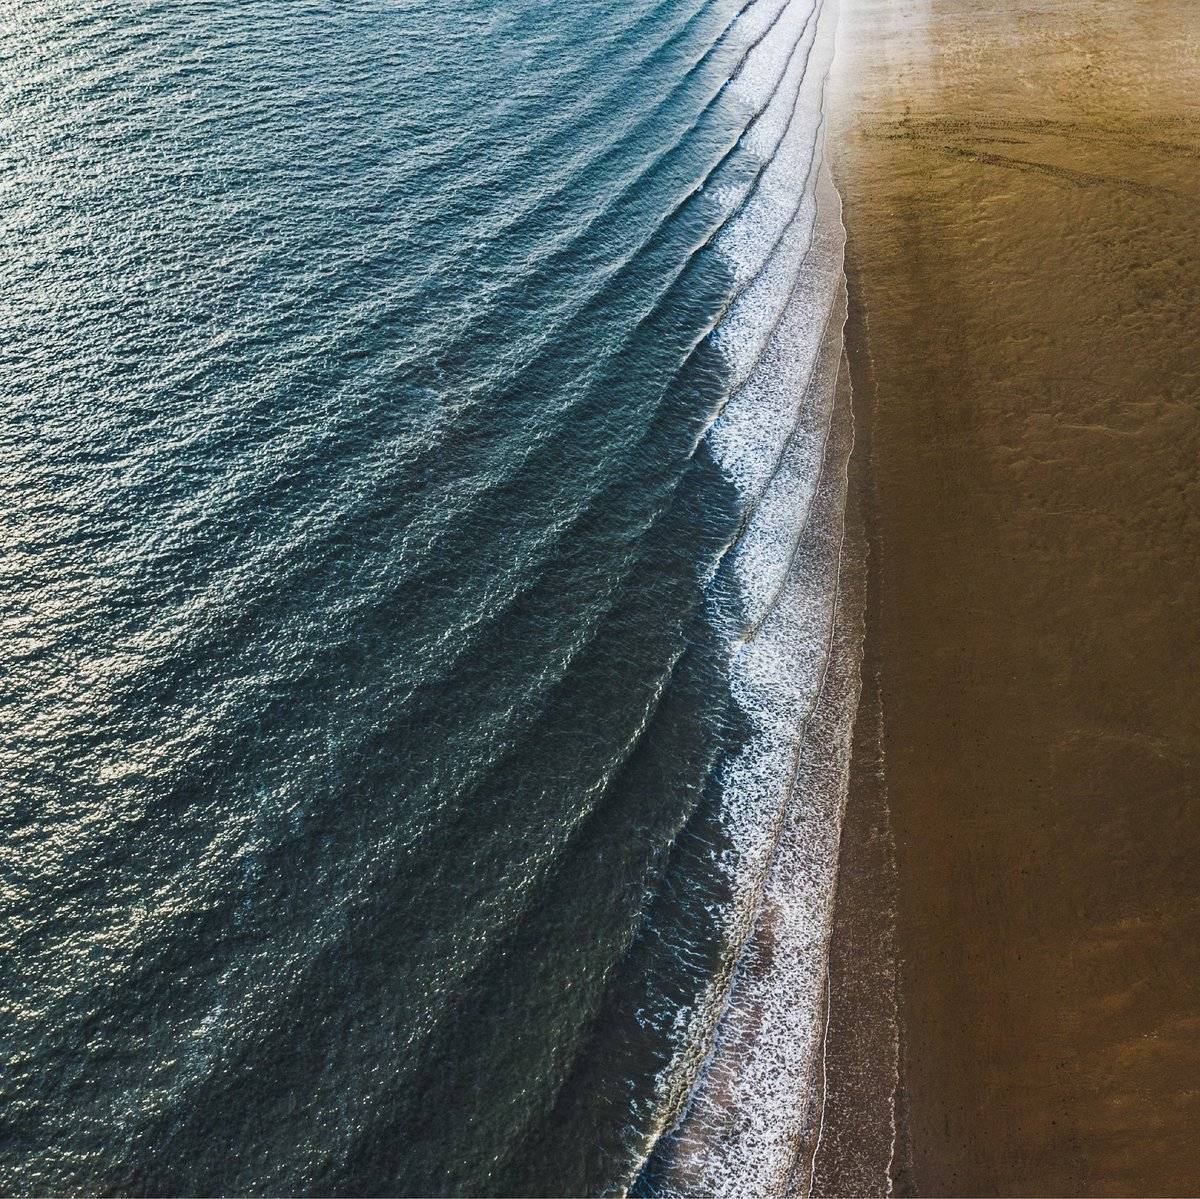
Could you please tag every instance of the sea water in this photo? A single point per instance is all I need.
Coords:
(420, 536)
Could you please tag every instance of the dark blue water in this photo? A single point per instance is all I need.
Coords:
(367, 609)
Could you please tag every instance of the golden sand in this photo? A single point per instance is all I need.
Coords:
(1022, 197)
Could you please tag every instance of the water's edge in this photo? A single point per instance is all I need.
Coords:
(753, 1114)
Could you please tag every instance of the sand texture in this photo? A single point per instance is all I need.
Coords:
(1022, 198)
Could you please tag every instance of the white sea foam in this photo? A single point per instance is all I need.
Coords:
(783, 440)
(784, 140)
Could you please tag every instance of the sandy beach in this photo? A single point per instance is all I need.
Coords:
(1016, 968)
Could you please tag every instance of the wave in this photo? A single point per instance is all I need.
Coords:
(749, 1044)
(292, 563)
(410, 689)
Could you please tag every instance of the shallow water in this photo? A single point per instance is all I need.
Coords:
(385, 388)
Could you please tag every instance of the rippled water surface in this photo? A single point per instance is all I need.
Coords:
(374, 757)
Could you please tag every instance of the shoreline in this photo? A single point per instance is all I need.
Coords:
(785, 438)
(1023, 271)
(864, 1150)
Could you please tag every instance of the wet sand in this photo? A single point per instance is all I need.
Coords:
(1022, 197)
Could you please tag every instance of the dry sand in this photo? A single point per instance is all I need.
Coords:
(1022, 196)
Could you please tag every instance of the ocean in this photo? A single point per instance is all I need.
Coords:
(422, 526)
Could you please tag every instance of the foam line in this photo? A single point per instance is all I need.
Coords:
(783, 438)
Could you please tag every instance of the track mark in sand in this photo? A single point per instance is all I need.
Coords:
(1067, 174)
(972, 140)
(1076, 131)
